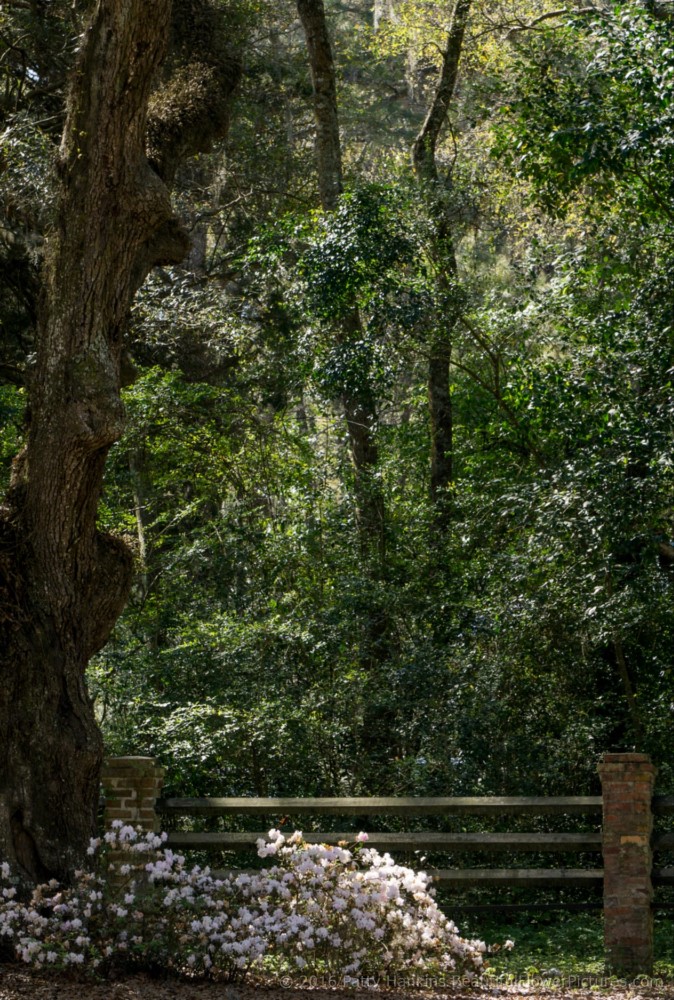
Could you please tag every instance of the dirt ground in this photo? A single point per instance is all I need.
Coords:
(17, 984)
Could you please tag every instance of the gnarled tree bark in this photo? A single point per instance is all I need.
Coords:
(63, 582)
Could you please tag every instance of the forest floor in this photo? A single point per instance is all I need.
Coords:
(19, 984)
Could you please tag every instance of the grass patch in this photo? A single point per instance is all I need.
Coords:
(559, 944)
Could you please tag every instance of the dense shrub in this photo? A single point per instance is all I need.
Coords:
(318, 909)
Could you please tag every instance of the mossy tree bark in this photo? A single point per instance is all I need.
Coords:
(63, 582)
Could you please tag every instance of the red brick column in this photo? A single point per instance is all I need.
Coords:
(627, 789)
(132, 785)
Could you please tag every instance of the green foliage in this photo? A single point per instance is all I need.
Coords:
(355, 250)
(26, 183)
(493, 651)
(12, 402)
(556, 949)
(598, 113)
(258, 631)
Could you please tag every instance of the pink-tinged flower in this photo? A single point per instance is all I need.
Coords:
(362, 837)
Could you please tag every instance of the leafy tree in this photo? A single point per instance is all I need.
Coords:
(596, 112)
(528, 255)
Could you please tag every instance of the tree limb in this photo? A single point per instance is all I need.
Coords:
(550, 15)
(425, 144)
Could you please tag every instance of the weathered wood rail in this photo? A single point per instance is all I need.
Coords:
(445, 843)
(482, 806)
(624, 811)
(406, 843)
(440, 843)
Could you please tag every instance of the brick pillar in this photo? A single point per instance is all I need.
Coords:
(627, 790)
(132, 786)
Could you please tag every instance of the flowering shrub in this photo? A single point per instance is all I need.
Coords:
(349, 912)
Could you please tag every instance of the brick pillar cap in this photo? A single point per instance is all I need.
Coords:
(118, 766)
(625, 758)
(130, 760)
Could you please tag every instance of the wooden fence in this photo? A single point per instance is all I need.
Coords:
(624, 812)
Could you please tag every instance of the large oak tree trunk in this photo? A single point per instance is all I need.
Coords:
(63, 583)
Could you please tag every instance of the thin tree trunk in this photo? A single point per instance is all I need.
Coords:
(628, 691)
(441, 416)
(322, 65)
(360, 409)
(426, 170)
(425, 144)
(384, 10)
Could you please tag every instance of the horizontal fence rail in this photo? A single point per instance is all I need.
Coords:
(427, 841)
(527, 877)
(408, 842)
(483, 806)
(490, 878)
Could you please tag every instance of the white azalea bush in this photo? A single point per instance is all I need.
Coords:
(318, 909)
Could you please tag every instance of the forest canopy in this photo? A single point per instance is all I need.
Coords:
(396, 469)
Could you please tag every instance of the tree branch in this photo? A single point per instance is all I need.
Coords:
(550, 15)
(423, 150)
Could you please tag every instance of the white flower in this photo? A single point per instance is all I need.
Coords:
(384, 913)
(362, 837)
